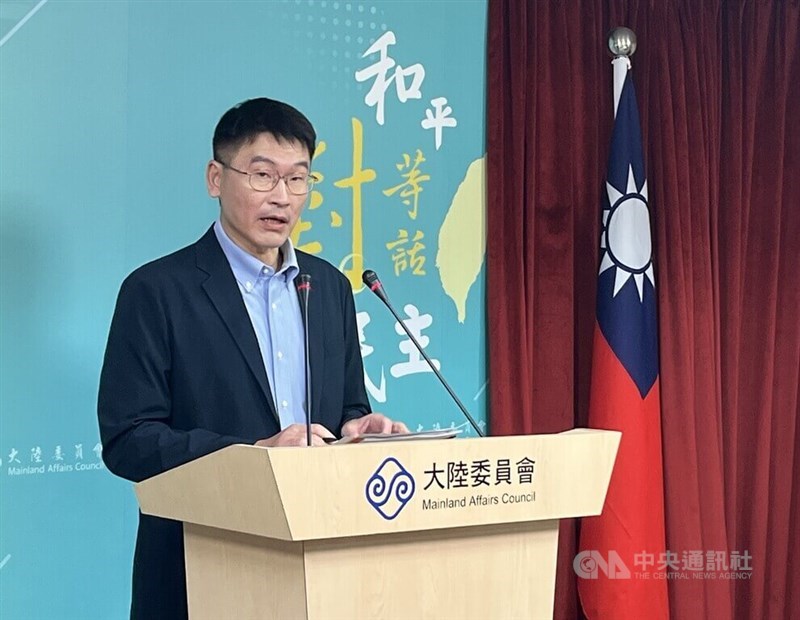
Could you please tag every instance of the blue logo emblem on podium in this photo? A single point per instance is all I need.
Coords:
(390, 488)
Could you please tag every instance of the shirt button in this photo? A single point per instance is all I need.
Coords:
(280, 355)
(274, 305)
(248, 286)
(284, 404)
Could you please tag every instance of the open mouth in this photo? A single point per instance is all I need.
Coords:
(274, 219)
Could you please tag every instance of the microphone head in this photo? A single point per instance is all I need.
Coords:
(369, 278)
(302, 284)
(373, 282)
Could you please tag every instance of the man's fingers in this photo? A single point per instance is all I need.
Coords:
(316, 440)
(321, 431)
(351, 428)
(399, 427)
(379, 423)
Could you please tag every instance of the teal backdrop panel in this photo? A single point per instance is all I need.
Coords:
(106, 116)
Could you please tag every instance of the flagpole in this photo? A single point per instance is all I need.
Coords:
(623, 561)
(622, 45)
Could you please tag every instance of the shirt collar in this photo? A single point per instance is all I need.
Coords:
(247, 268)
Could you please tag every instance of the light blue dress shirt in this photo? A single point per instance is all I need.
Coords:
(272, 303)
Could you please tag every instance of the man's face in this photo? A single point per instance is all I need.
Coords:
(259, 222)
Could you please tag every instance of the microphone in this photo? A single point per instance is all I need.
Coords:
(370, 278)
(303, 285)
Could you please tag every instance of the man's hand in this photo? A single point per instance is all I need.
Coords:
(372, 423)
(295, 435)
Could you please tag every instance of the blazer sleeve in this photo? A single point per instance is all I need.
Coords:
(134, 401)
(356, 402)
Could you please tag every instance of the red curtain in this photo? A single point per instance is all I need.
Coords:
(718, 85)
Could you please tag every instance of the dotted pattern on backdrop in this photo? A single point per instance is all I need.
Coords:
(343, 28)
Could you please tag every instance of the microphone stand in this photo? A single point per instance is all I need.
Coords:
(370, 278)
(303, 284)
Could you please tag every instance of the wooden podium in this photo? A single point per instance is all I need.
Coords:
(456, 529)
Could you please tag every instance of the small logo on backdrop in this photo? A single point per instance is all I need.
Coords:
(390, 488)
(63, 458)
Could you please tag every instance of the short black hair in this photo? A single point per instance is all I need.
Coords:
(245, 121)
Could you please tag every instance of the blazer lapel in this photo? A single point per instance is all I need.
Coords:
(222, 290)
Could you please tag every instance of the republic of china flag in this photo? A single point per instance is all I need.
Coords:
(625, 394)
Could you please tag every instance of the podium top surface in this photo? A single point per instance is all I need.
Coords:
(362, 489)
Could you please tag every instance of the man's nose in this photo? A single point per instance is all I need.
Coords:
(280, 193)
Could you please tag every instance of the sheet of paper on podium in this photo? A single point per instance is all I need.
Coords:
(445, 433)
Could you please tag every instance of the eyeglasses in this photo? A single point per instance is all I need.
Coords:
(297, 183)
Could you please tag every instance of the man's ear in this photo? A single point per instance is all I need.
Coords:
(213, 178)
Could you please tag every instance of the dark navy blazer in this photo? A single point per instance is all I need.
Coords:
(183, 376)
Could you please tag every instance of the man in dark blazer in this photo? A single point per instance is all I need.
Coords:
(201, 340)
